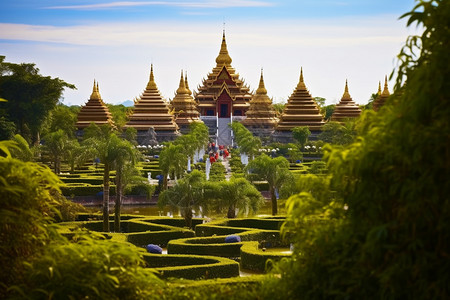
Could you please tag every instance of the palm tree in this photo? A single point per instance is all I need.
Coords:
(172, 160)
(248, 143)
(186, 195)
(124, 164)
(274, 170)
(109, 148)
(235, 193)
(56, 143)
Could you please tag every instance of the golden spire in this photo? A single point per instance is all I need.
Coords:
(223, 58)
(379, 88)
(151, 83)
(182, 88)
(386, 90)
(261, 89)
(301, 83)
(95, 93)
(346, 93)
(186, 84)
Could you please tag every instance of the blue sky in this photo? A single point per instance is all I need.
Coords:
(115, 42)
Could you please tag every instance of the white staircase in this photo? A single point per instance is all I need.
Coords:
(224, 131)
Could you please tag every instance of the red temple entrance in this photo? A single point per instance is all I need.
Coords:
(224, 105)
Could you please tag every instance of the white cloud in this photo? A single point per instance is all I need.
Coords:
(119, 54)
(198, 4)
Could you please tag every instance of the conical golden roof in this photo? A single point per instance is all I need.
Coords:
(94, 111)
(381, 99)
(151, 110)
(260, 113)
(223, 84)
(300, 110)
(184, 106)
(223, 58)
(346, 108)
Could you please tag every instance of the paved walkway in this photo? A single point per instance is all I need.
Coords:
(226, 164)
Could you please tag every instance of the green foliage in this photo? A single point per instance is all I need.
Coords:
(301, 134)
(247, 143)
(63, 118)
(335, 133)
(88, 267)
(327, 111)
(119, 114)
(27, 201)
(22, 150)
(278, 107)
(172, 160)
(56, 143)
(185, 195)
(217, 172)
(273, 170)
(7, 129)
(30, 96)
(237, 193)
(387, 234)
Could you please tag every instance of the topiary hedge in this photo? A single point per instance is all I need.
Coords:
(255, 259)
(205, 246)
(192, 266)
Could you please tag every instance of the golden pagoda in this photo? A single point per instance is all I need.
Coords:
(261, 117)
(151, 112)
(94, 111)
(300, 110)
(382, 96)
(184, 106)
(223, 93)
(346, 108)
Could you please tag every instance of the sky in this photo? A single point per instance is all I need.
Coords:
(115, 42)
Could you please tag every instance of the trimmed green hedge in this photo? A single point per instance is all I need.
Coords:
(161, 238)
(177, 222)
(232, 226)
(192, 267)
(85, 190)
(205, 246)
(255, 259)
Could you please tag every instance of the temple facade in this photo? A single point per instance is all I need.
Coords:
(151, 115)
(382, 96)
(94, 111)
(300, 110)
(184, 106)
(346, 108)
(261, 117)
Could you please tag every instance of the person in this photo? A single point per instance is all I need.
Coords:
(212, 159)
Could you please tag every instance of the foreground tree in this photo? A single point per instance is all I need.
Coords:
(172, 160)
(30, 96)
(387, 235)
(273, 170)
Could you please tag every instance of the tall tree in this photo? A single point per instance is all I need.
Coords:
(30, 96)
(247, 143)
(55, 143)
(301, 134)
(273, 170)
(172, 160)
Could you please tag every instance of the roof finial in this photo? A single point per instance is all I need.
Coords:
(386, 90)
(182, 88)
(379, 88)
(151, 85)
(301, 83)
(186, 83)
(346, 93)
(223, 58)
(95, 93)
(261, 89)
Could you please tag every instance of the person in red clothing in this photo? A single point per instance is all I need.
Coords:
(225, 153)
(216, 156)
(212, 159)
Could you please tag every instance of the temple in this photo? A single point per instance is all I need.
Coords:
(94, 111)
(300, 110)
(382, 96)
(346, 108)
(151, 113)
(261, 117)
(184, 106)
(223, 97)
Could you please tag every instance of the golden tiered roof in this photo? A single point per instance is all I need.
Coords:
(346, 108)
(300, 110)
(94, 111)
(261, 112)
(151, 110)
(223, 83)
(382, 96)
(184, 106)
